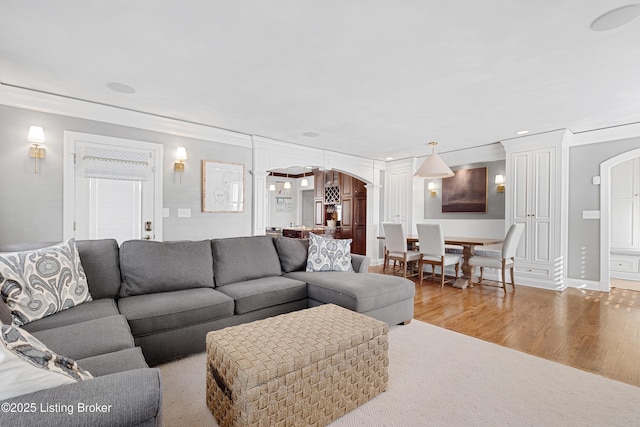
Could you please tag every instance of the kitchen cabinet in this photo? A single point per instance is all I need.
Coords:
(333, 191)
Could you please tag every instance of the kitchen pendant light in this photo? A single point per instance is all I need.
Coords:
(433, 166)
(287, 183)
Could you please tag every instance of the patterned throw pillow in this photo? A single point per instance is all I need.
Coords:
(27, 365)
(35, 284)
(328, 254)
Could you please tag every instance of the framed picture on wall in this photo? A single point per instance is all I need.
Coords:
(466, 191)
(283, 192)
(279, 200)
(222, 187)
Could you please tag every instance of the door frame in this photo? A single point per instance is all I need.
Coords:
(605, 214)
(69, 178)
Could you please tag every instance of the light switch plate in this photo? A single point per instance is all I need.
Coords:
(184, 213)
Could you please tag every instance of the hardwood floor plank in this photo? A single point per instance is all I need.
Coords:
(594, 331)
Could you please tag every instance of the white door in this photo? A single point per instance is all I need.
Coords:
(116, 188)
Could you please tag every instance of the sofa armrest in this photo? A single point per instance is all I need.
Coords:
(127, 398)
(360, 263)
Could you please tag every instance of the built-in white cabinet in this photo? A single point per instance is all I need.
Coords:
(397, 193)
(533, 197)
(625, 220)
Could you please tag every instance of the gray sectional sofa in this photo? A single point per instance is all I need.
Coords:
(156, 301)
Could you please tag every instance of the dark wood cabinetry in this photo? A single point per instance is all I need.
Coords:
(352, 199)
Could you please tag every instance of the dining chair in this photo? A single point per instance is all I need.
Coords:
(505, 261)
(432, 251)
(395, 241)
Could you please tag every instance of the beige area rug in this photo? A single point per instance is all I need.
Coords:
(442, 378)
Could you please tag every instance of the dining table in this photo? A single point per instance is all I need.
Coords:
(468, 244)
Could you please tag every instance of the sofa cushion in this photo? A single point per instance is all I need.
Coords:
(265, 292)
(360, 292)
(38, 283)
(110, 363)
(101, 263)
(149, 267)
(240, 259)
(292, 253)
(90, 338)
(95, 309)
(27, 365)
(328, 254)
(153, 313)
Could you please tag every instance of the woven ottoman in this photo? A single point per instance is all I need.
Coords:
(306, 368)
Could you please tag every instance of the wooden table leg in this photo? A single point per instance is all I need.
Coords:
(462, 283)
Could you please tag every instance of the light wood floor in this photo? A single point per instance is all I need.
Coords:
(595, 331)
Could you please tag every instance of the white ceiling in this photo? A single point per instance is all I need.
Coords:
(373, 78)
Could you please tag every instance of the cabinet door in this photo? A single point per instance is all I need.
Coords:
(318, 185)
(359, 188)
(521, 163)
(625, 181)
(542, 206)
(347, 212)
(397, 196)
(359, 225)
(346, 187)
(318, 213)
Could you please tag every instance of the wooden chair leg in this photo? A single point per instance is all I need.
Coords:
(442, 275)
(421, 272)
(481, 273)
(386, 261)
(504, 278)
(513, 282)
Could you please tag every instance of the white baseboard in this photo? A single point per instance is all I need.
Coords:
(590, 285)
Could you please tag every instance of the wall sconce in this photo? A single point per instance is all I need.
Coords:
(272, 187)
(432, 188)
(304, 182)
(500, 183)
(36, 152)
(178, 165)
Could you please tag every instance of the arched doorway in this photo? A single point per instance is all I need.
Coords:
(605, 214)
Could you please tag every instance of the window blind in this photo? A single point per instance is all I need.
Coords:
(116, 164)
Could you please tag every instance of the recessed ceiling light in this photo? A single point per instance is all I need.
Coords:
(121, 87)
(616, 18)
(311, 134)
(388, 158)
(522, 132)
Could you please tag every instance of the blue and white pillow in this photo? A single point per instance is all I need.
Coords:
(38, 283)
(328, 254)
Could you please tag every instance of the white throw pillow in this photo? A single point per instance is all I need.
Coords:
(35, 284)
(328, 254)
(27, 365)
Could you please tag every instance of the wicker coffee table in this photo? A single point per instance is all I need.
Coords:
(308, 368)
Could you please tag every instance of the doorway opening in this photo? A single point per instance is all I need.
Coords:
(606, 221)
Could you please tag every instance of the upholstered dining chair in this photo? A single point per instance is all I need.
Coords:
(395, 248)
(505, 261)
(432, 251)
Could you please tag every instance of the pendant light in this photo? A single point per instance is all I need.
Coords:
(287, 183)
(433, 166)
